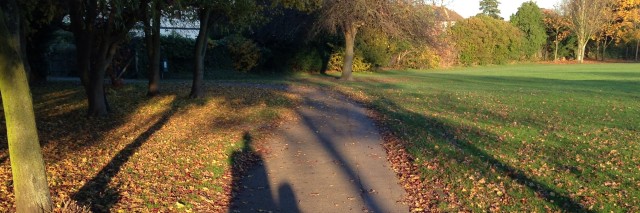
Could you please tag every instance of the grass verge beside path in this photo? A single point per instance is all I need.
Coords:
(513, 138)
(166, 154)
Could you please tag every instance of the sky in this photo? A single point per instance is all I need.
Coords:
(467, 8)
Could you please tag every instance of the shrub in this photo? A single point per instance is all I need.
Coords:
(336, 62)
(306, 60)
(484, 40)
(423, 57)
(244, 53)
(374, 47)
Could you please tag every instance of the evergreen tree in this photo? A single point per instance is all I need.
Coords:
(529, 19)
(490, 8)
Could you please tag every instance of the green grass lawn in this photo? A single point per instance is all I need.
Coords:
(520, 137)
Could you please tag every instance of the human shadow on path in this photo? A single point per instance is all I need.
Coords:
(260, 196)
(333, 140)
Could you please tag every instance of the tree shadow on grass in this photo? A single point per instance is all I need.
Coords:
(250, 174)
(440, 130)
(96, 192)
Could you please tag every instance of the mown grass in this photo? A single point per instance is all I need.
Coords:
(162, 154)
(516, 138)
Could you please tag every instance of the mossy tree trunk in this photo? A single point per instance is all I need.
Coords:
(27, 166)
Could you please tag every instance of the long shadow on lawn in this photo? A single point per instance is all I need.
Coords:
(440, 130)
(96, 192)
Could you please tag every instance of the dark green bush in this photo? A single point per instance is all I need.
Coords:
(307, 60)
(484, 40)
(244, 52)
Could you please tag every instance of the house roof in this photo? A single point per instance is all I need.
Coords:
(445, 14)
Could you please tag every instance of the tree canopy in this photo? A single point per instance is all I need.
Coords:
(490, 8)
(530, 20)
(586, 18)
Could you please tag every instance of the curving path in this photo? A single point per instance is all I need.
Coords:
(329, 160)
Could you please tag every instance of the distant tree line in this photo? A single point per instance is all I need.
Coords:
(576, 29)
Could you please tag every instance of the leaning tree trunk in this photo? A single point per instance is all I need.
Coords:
(201, 50)
(152, 36)
(349, 53)
(27, 166)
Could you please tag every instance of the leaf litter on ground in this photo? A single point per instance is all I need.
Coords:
(167, 153)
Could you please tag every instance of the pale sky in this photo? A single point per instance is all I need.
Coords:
(467, 8)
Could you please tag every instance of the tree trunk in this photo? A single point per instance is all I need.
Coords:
(626, 52)
(96, 48)
(152, 36)
(27, 166)
(349, 53)
(83, 57)
(598, 45)
(555, 51)
(582, 45)
(201, 49)
(23, 47)
(637, 46)
(605, 44)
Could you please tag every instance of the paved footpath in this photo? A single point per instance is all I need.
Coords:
(329, 160)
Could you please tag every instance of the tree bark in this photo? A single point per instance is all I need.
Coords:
(582, 45)
(96, 44)
(29, 177)
(597, 49)
(152, 36)
(98, 104)
(349, 53)
(201, 50)
(637, 47)
(605, 44)
(555, 51)
(23, 47)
